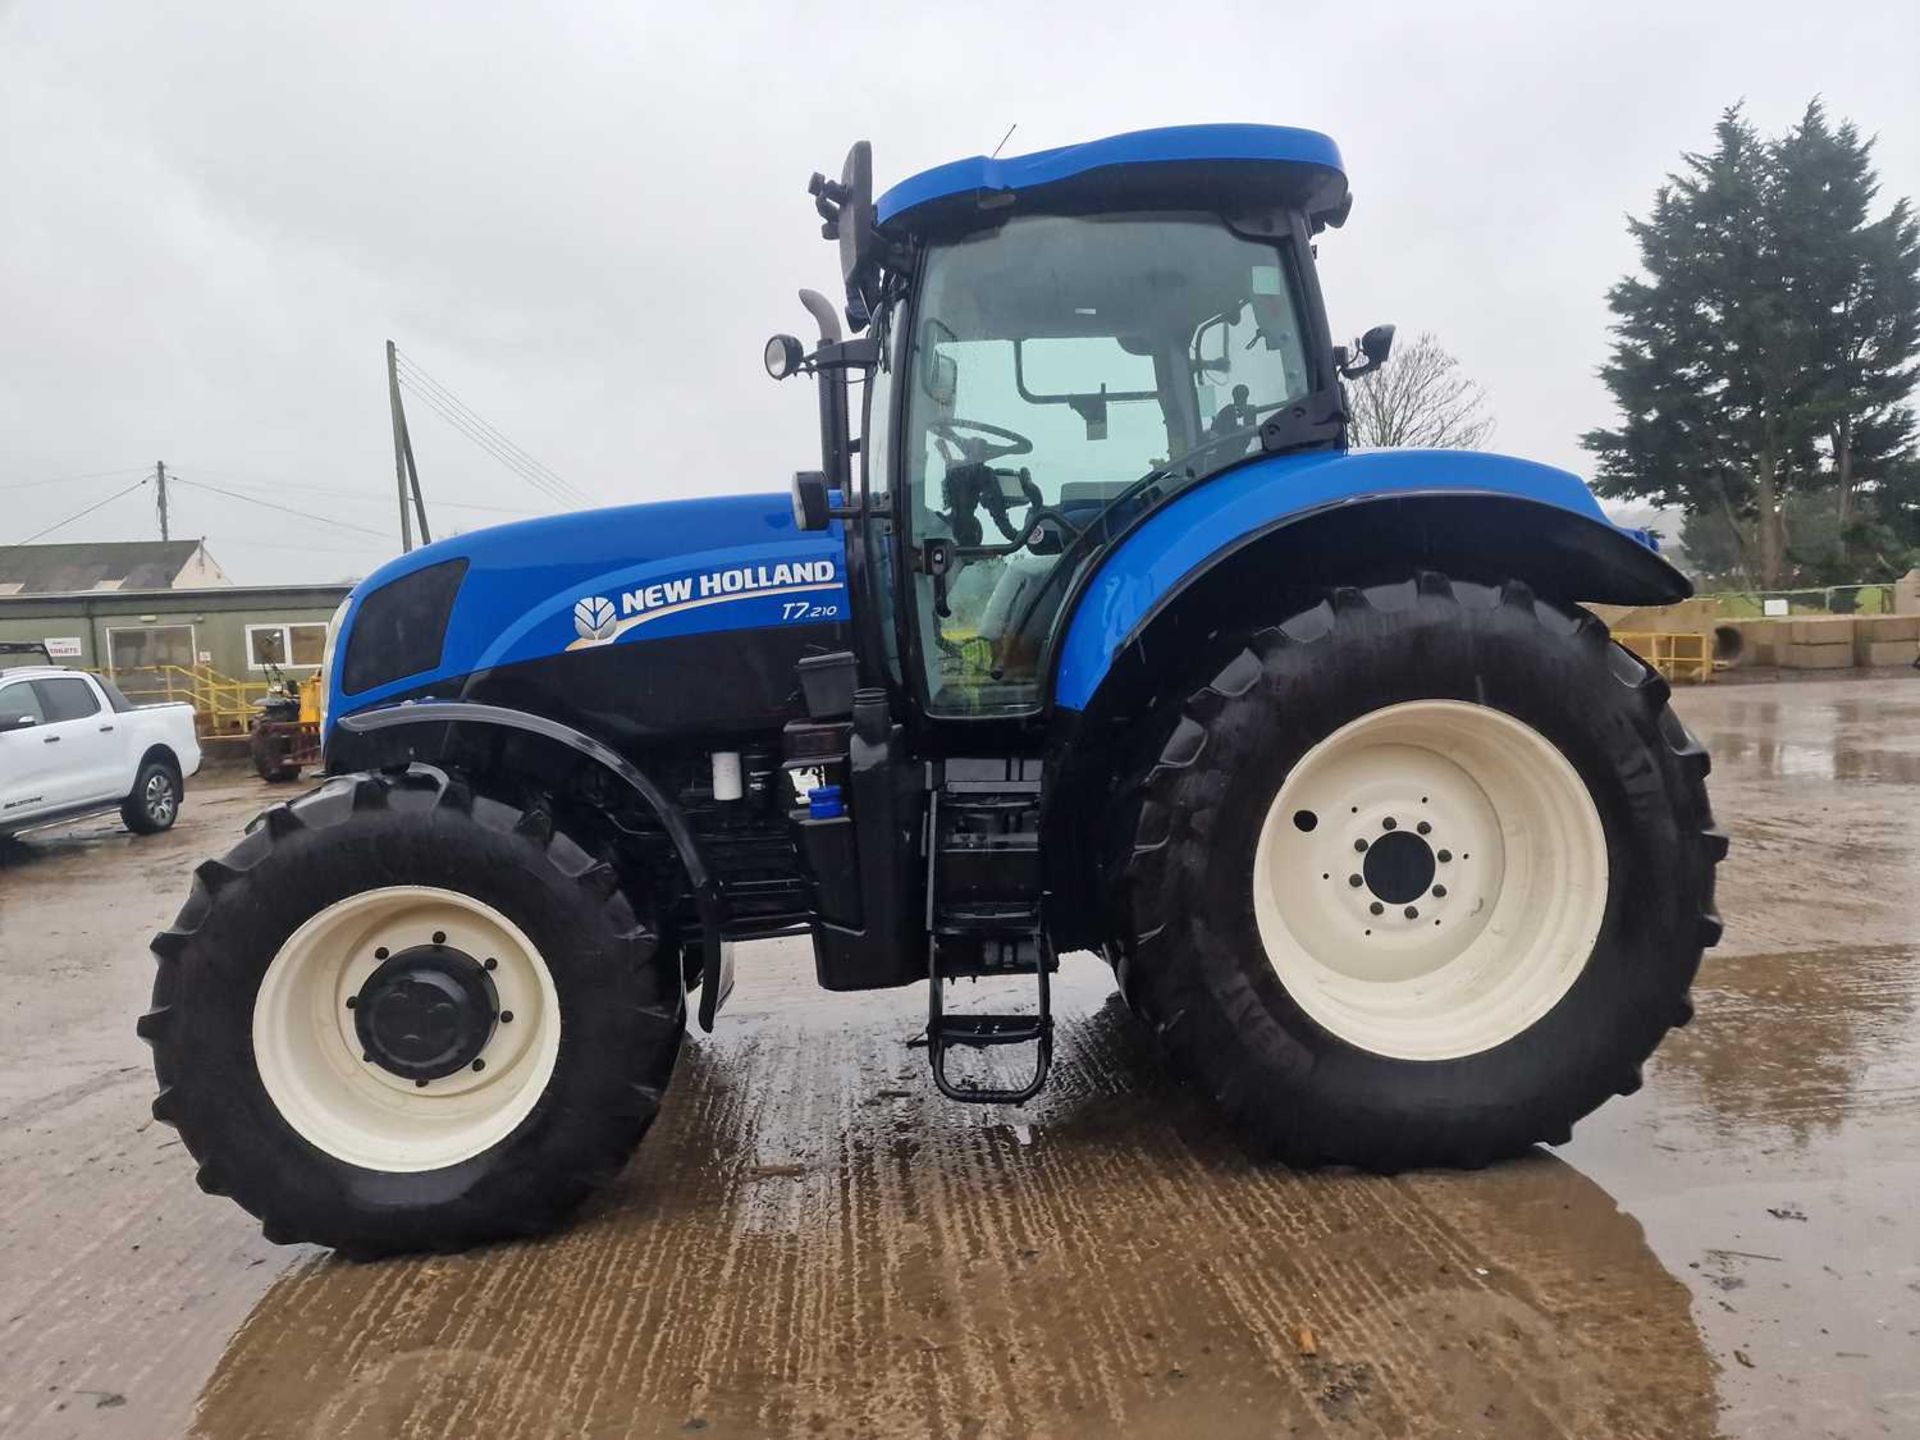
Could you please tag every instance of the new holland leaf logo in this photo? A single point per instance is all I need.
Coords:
(595, 619)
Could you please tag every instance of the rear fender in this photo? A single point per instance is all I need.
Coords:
(1294, 524)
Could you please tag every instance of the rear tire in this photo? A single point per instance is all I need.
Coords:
(268, 751)
(154, 802)
(253, 1019)
(1294, 966)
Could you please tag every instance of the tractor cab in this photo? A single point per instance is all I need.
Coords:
(1056, 345)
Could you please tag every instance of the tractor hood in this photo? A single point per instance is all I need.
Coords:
(482, 608)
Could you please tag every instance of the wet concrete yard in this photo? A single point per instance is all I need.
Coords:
(812, 1242)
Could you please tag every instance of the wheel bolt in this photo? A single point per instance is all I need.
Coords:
(1355, 881)
(1444, 856)
(1439, 892)
(506, 1017)
(439, 937)
(381, 953)
(367, 1056)
(1424, 828)
(479, 1064)
(353, 1002)
(490, 963)
(1377, 908)
(1359, 845)
(1413, 912)
(1389, 823)
(419, 1084)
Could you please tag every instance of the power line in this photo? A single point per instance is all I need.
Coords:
(77, 515)
(419, 374)
(72, 479)
(283, 509)
(535, 472)
(488, 440)
(264, 488)
(491, 447)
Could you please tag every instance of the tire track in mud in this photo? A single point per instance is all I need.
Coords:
(812, 1242)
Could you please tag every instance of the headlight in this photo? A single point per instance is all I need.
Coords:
(326, 659)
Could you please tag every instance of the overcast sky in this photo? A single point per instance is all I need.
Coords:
(585, 219)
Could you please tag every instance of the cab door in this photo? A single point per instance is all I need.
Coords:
(27, 754)
(86, 731)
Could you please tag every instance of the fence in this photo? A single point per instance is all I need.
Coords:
(225, 706)
(1875, 599)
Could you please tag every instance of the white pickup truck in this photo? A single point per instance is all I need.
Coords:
(73, 745)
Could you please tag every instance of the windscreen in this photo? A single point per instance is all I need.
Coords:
(1063, 374)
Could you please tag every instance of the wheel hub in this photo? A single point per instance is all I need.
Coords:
(426, 1012)
(1399, 867)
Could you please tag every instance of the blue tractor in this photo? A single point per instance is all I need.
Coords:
(1092, 634)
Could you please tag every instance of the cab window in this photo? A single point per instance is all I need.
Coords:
(67, 698)
(1064, 373)
(17, 703)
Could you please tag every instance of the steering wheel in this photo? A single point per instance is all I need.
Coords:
(979, 451)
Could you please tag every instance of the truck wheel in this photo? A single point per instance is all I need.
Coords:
(154, 802)
(1421, 877)
(402, 1016)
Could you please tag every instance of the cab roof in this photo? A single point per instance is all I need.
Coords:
(1182, 164)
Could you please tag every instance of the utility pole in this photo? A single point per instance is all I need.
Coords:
(405, 473)
(160, 495)
(400, 448)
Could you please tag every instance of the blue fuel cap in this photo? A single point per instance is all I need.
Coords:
(824, 803)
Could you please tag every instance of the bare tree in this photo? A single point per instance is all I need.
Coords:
(1418, 398)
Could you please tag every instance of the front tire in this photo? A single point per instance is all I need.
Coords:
(403, 1016)
(1286, 922)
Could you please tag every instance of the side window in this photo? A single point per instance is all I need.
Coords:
(67, 698)
(18, 702)
(1251, 356)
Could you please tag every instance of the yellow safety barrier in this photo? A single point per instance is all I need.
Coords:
(1680, 655)
(225, 706)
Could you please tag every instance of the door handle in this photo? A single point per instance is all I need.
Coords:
(49, 739)
(104, 729)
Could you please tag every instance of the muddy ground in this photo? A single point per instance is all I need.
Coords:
(811, 1241)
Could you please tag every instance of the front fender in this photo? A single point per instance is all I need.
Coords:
(429, 725)
(1356, 509)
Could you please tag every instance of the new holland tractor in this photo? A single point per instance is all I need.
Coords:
(1091, 634)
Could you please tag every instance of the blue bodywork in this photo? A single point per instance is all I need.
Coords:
(617, 577)
(1212, 518)
(1300, 153)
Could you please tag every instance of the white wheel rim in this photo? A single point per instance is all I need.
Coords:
(1504, 924)
(309, 1055)
(160, 798)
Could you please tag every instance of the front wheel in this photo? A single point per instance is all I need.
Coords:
(1421, 877)
(403, 1016)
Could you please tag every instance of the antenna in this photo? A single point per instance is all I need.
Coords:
(1003, 140)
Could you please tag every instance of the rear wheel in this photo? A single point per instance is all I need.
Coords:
(270, 750)
(1421, 877)
(154, 802)
(402, 1016)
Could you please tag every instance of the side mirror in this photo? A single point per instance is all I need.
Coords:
(811, 507)
(1375, 345)
(18, 722)
(846, 207)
